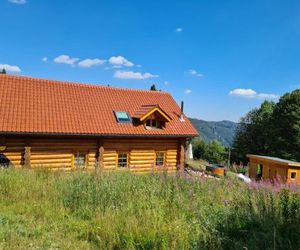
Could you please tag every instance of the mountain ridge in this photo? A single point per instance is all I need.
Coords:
(222, 131)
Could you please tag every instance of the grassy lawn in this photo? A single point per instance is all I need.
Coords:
(56, 210)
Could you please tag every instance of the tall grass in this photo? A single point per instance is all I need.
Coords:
(47, 210)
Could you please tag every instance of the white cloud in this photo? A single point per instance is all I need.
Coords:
(187, 91)
(17, 1)
(119, 61)
(65, 59)
(179, 29)
(193, 72)
(138, 65)
(45, 59)
(247, 93)
(166, 83)
(133, 75)
(87, 63)
(252, 94)
(10, 68)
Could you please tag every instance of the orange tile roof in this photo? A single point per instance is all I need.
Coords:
(31, 105)
(144, 109)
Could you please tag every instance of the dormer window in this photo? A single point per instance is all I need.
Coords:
(148, 123)
(152, 116)
(122, 117)
(154, 123)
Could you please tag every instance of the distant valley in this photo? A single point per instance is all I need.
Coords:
(222, 131)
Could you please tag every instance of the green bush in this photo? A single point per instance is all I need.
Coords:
(46, 210)
(213, 152)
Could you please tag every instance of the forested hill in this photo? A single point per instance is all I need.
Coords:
(222, 131)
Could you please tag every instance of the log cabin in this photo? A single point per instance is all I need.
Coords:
(270, 168)
(67, 126)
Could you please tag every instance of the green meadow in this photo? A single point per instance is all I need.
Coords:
(79, 210)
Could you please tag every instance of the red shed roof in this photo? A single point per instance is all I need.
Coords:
(31, 105)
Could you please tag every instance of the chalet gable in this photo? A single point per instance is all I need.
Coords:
(152, 116)
(146, 111)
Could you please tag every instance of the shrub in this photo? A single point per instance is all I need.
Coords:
(213, 152)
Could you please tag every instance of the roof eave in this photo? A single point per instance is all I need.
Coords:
(260, 157)
(294, 165)
(97, 135)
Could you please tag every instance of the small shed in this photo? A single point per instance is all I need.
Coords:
(266, 167)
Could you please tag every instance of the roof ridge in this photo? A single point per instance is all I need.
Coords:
(83, 84)
(149, 105)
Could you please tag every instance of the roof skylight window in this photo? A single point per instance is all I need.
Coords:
(122, 117)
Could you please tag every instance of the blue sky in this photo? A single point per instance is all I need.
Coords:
(221, 57)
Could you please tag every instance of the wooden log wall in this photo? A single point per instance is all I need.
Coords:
(14, 151)
(58, 153)
(141, 153)
(54, 153)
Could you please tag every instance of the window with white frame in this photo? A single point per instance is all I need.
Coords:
(122, 160)
(153, 123)
(79, 160)
(160, 158)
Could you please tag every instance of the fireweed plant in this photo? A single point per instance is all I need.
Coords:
(41, 209)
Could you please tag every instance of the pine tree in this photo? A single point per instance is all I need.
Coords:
(3, 71)
(153, 87)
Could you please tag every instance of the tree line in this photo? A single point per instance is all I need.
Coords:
(273, 129)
